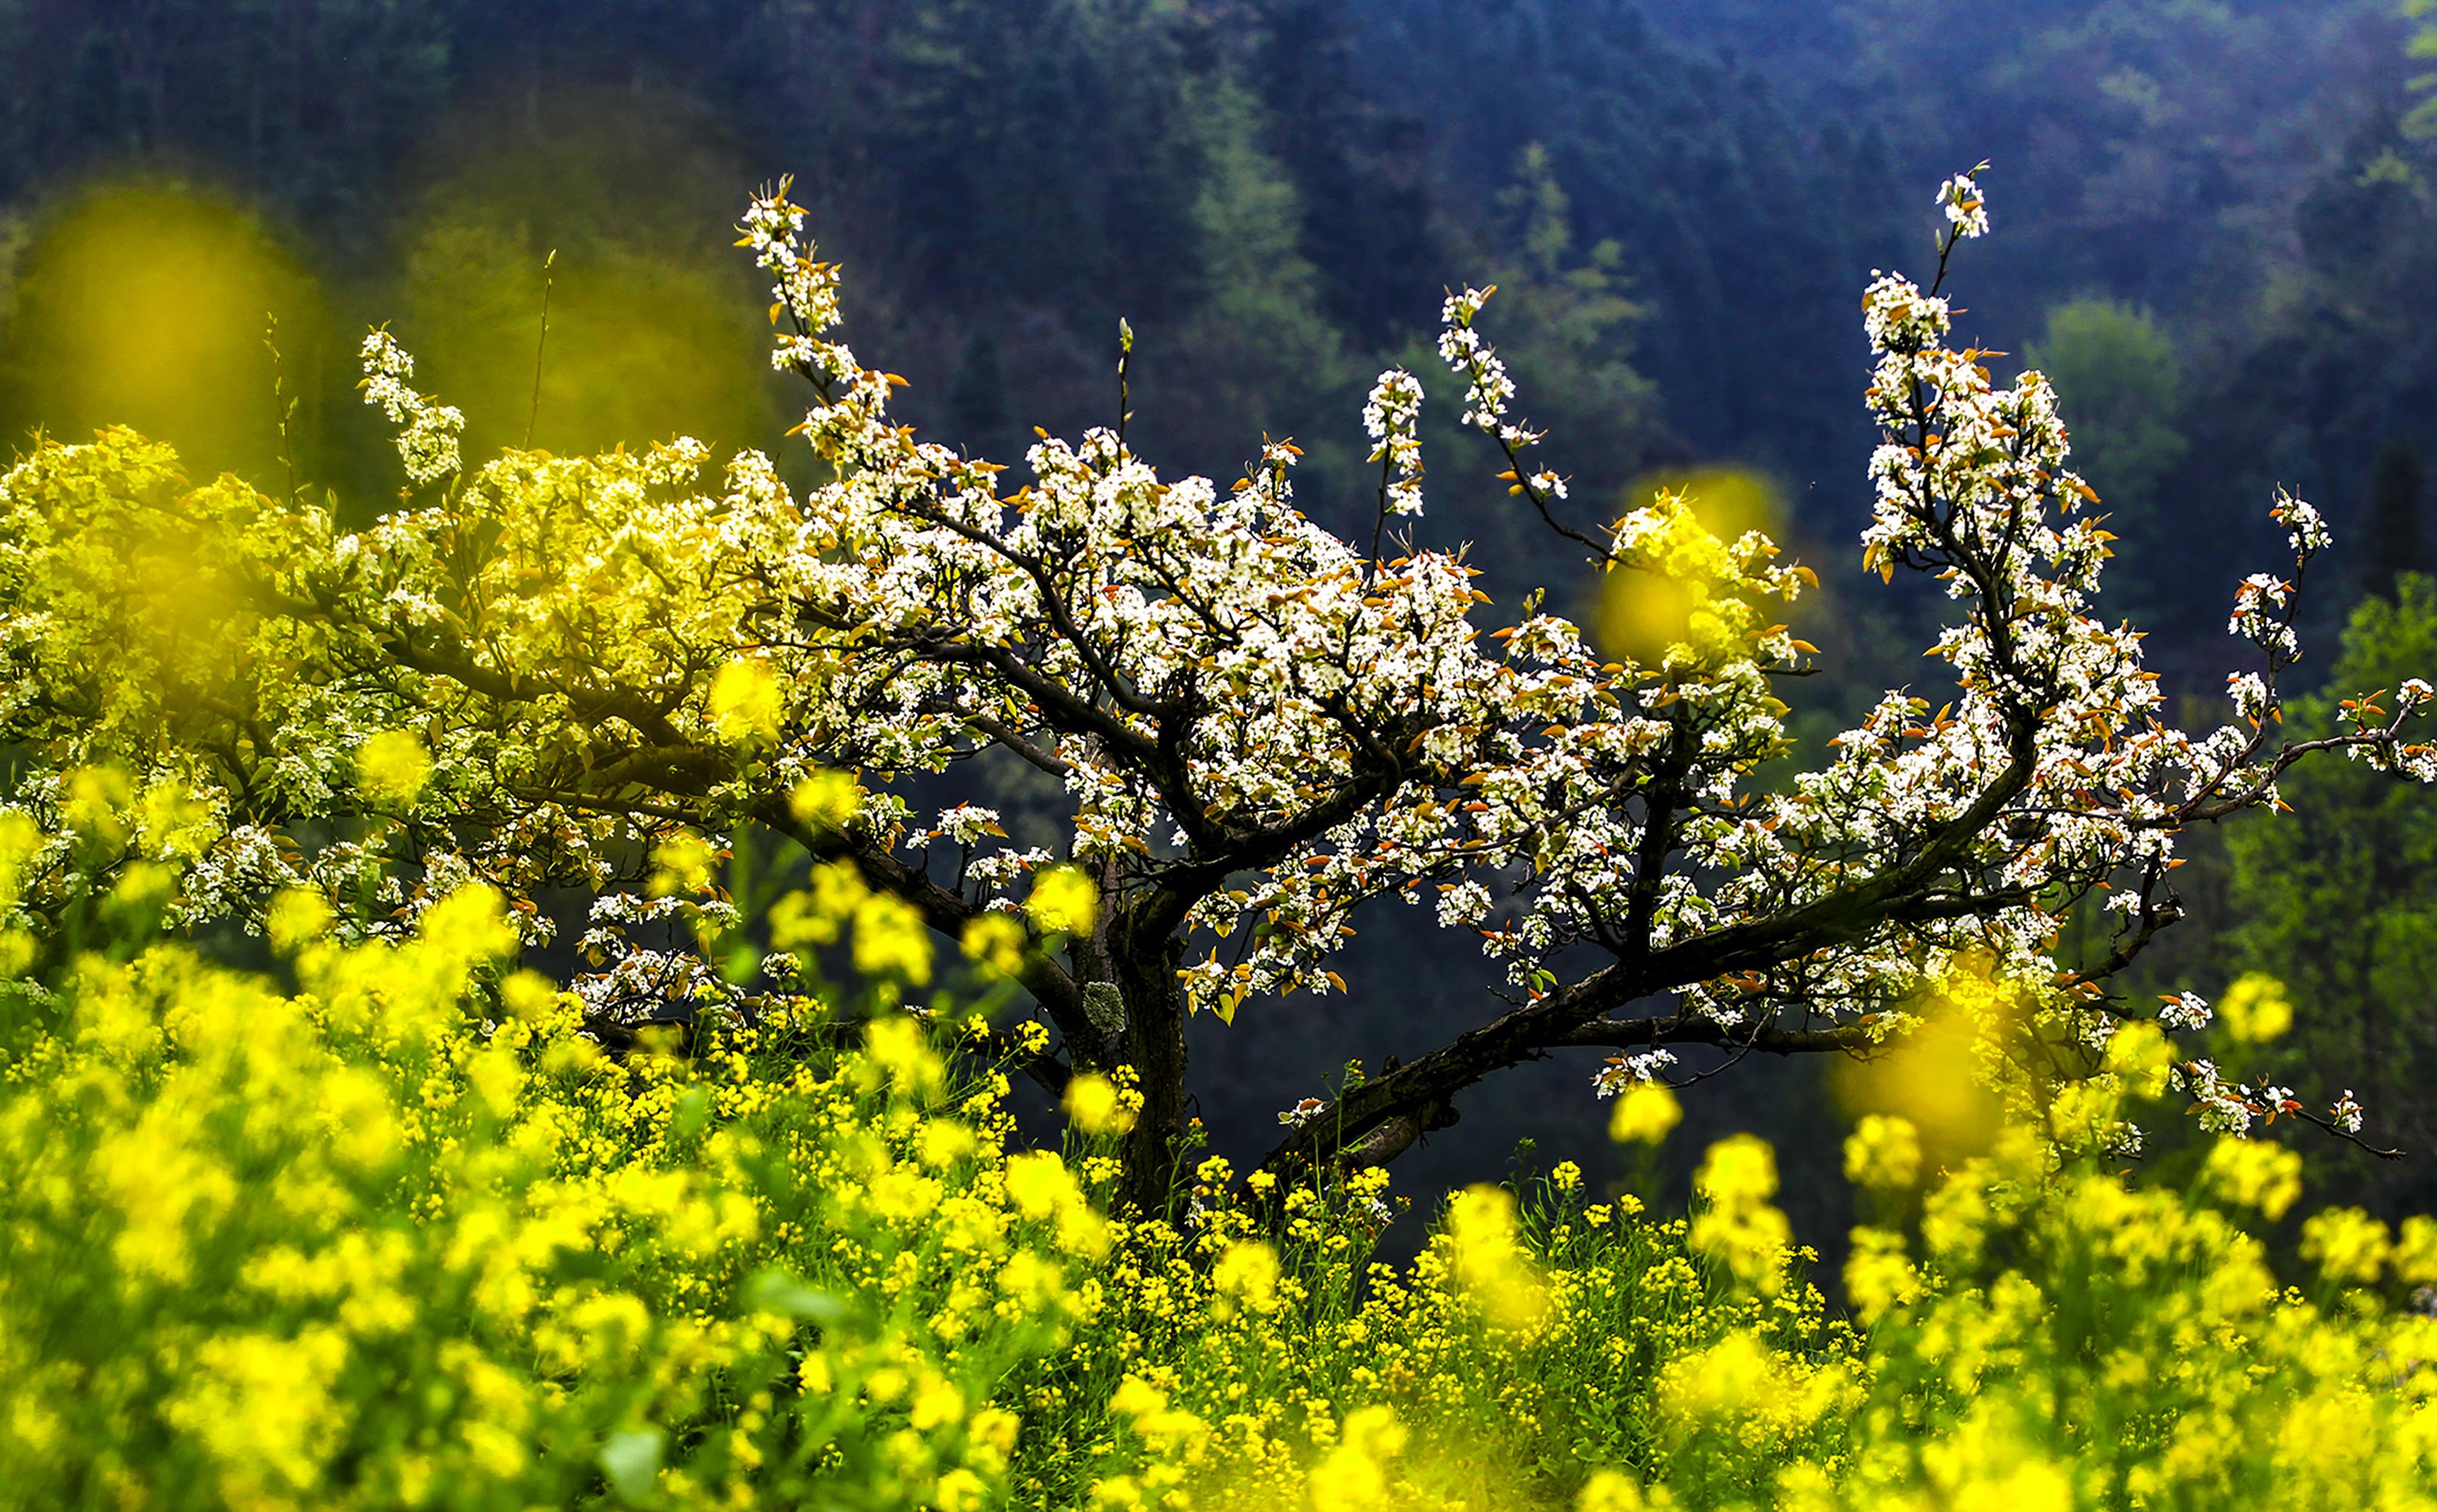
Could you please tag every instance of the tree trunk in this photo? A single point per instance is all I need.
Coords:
(1154, 1047)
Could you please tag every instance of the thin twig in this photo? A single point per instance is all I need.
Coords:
(284, 404)
(1125, 395)
(540, 345)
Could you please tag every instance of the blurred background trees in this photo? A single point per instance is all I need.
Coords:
(2338, 899)
(2126, 402)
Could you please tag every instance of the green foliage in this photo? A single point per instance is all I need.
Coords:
(2339, 899)
(2125, 385)
(2422, 49)
(2126, 391)
(1259, 346)
(2397, 542)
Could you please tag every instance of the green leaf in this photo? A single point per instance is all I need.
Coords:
(631, 1460)
(778, 1291)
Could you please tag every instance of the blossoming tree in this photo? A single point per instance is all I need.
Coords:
(596, 671)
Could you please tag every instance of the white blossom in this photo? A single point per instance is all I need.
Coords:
(426, 440)
(1621, 1071)
(2185, 1011)
(1391, 418)
(1959, 197)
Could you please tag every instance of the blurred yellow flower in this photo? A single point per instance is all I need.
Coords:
(826, 800)
(393, 767)
(1738, 1225)
(746, 702)
(1646, 1113)
(1096, 1106)
(2256, 1174)
(995, 941)
(2256, 1009)
(1884, 1151)
(1064, 899)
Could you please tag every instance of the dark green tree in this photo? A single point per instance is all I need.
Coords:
(1356, 162)
(1260, 346)
(2126, 399)
(1744, 227)
(1575, 329)
(977, 409)
(2394, 544)
(2422, 47)
(2338, 899)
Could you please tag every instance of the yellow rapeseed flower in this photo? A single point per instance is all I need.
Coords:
(1248, 1273)
(2255, 1010)
(1354, 1475)
(297, 917)
(2349, 1245)
(1610, 1490)
(746, 702)
(891, 942)
(1037, 1183)
(1882, 1151)
(1646, 1113)
(1495, 1276)
(995, 941)
(1738, 1225)
(393, 767)
(1064, 899)
(828, 801)
(2256, 1174)
(682, 863)
(1096, 1106)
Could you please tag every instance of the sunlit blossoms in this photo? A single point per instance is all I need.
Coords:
(428, 431)
(1966, 211)
(1487, 387)
(1391, 417)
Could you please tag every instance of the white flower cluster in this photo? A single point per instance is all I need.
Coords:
(1966, 211)
(963, 823)
(427, 438)
(2305, 530)
(1391, 418)
(1621, 1071)
(806, 290)
(2231, 1107)
(2187, 1010)
(1488, 390)
(2224, 1107)
(2261, 605)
